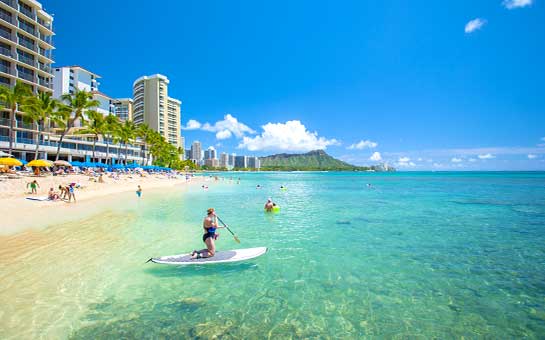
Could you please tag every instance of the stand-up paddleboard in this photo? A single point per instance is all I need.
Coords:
(220, 257)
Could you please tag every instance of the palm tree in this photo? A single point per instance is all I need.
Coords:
(111, 126)
(144, 132)
(12, 98)
(38, 109)
(78, 103)
(126, 134)
(96, 126)
(61, 119)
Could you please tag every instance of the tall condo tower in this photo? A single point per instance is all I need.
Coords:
(26, 44)
(25, 55)
(153, 106)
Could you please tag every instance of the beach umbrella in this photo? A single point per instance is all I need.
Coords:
(76, 163)
(5, 154)
(101, 165)
(40, 163)
(62, 163)
(10, 161)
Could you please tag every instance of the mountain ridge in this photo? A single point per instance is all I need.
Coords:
(312, 160)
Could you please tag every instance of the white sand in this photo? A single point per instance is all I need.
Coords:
(18, 213)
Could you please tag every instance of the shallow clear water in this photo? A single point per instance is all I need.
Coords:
(417, 255)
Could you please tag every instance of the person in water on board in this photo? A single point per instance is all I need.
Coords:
(269, 205)
(210, 224)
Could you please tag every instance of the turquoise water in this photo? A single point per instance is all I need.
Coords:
(416, 255)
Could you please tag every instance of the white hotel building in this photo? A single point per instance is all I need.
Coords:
(26, 47)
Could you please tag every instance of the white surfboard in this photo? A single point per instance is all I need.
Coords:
(224, 256)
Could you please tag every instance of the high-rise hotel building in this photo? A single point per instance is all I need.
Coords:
(154, 107)
(25, 44)
(26, 56)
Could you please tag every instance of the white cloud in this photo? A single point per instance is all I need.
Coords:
(512, 4)
(375, 157)
(362, 144)
(229, 123)
(472, 160)
(474, 25)
(530, 156)
(405, 162)
(486, 156)
(420, 159)
(289, 136)
(456, 160)
(223, 134)
(192, 124)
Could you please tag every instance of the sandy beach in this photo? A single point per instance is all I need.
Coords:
(20, 213)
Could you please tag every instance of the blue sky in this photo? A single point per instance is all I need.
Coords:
(441, 85)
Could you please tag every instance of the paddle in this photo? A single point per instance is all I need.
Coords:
(225, 225)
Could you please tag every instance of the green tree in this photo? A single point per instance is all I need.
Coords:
(112, 124)
(38, 110)
(146, 134)
(127, 134)
(60, 119)
(96, 126)
(78, 103)
(12, 98)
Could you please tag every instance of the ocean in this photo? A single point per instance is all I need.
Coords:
(351, 255)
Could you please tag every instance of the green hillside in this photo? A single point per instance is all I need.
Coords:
(313, 160)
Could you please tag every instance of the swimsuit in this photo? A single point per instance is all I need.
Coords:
(211, 232)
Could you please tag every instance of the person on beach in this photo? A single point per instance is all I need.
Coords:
(71, 193)
(33, 185)
(269, 205)
(52, 195)
(139, 191)
(209, 225)
(63, 193)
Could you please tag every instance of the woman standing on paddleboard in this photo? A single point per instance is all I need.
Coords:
(210, 224)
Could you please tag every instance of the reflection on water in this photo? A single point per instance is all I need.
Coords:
(408, 259)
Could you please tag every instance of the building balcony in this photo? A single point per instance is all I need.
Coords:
(45, 83)
(29, 13)
(27, 29)
(5, 69)
(10, 3)
(45, 68)
(44, 24)
(28, 61)
(26, 76)
(6, 51)
(27, 44)
(5, 34)
(6, 18)
(5, 82)
(45, 38)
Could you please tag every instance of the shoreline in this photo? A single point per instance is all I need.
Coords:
(20, 214)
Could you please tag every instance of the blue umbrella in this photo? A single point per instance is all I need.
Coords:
(76, 163)
(100, 165)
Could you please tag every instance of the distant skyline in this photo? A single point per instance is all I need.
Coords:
(421, 85)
